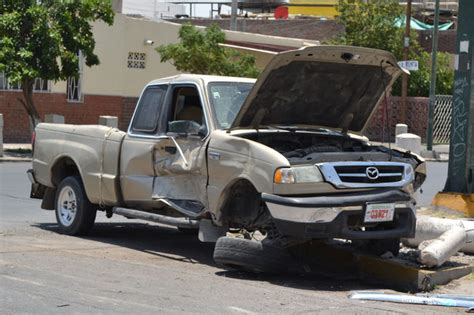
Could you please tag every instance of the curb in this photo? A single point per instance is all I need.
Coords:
(394, 273)
(14, 159)
(455, 201)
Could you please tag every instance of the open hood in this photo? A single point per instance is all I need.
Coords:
(337, 87)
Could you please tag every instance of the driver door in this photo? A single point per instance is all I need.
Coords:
(180, 157)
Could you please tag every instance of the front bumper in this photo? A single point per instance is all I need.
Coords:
(341, 216)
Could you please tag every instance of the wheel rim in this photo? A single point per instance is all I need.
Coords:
(67, 206)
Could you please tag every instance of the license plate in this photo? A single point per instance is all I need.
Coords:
(379, 212)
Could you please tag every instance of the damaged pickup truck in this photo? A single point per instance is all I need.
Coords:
(282, 155)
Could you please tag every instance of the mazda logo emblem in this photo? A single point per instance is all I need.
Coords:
(372, 172)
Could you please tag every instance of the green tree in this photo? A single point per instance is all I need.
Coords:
(41, 39)
(372, 24)
(200, 52)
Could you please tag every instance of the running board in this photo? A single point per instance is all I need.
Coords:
(153, 217)
(189, 208)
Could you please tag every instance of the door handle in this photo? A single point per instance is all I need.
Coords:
(170, 150)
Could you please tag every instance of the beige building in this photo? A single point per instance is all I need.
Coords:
(128, 61)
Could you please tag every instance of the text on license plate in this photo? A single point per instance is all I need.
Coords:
(379, 212)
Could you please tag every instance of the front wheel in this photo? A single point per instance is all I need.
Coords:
(252, 256)
(74, 212)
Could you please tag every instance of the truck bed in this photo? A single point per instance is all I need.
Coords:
(93, 149)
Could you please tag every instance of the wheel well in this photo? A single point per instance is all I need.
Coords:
(242, 206)
(63, 168)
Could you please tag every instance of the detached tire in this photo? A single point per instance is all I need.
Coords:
(74, 212)
(251, 256)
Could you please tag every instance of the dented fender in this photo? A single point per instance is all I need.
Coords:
(231, 159)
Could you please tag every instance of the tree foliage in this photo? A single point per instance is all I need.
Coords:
(200, 52)
(372, 24)
(41, 39)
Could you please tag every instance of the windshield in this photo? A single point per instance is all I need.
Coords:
(226, 100)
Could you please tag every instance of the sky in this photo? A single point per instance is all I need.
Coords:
(145, 8)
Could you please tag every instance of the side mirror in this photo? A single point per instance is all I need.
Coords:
(202, 130)
(184, 127)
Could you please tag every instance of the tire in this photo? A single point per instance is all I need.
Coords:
(75, 214)
(380, 247)
(251, 256)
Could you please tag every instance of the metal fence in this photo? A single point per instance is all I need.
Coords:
(442, 119)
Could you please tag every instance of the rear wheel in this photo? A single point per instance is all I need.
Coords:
(74, 212)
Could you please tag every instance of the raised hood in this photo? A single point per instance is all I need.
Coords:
(336, 87)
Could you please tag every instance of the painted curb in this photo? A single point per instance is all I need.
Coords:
(455, 201)
(393, 273)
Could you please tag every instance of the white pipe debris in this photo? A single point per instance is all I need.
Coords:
(429, 228)
(434, 253)
(438, 300)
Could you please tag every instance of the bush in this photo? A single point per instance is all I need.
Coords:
(372, 24)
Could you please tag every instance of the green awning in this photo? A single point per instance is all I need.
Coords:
(420, 26)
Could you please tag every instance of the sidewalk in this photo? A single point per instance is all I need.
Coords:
(16, 152)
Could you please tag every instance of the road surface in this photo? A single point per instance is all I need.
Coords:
(132, 267)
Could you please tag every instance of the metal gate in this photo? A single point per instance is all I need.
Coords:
(442, 119)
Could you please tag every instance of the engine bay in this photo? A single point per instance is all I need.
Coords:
(303, 147)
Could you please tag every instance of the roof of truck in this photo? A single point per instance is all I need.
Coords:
(199, 78)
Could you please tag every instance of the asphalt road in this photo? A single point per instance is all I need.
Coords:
(127, 266)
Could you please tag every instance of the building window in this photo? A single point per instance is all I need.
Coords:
(74, 84)
(136, 60)
(39, 85)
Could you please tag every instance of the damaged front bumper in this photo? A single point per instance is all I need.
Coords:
(341, 216)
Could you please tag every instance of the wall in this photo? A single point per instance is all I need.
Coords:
(446, 40)
(128, 34)
(417, 116)
(17, 128)
(288, 32)
(326, 8)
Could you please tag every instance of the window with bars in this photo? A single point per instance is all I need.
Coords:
(39, 85)
(74, 84)
(136, 60)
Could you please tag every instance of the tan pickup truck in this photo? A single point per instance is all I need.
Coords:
(282, 155)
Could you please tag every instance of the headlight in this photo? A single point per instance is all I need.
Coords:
(409, 173)
(298, 174)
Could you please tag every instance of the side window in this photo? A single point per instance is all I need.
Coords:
(148, 109)
(186, 114)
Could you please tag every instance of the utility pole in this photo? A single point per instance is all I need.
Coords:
(434, 52)
(406, 50)
(460, 182)
(233, 16)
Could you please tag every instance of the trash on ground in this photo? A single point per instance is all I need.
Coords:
(436, 300)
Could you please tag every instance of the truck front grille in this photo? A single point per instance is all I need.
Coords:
(367, 174)
(362, 174)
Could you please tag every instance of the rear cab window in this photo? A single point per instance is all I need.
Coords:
(146, 118)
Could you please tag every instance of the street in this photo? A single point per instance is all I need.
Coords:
(129, 266)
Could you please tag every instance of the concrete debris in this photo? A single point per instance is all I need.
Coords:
(433, 253)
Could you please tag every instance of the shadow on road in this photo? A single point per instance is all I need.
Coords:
(169, 243)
